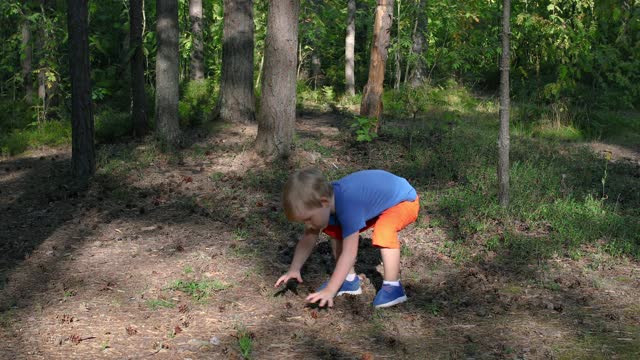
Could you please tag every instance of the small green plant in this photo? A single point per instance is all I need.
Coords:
(188, 269)
(328, 94)
(405, 251)
(245, 341)
(197, 289)
(433, 308)
(365, 128)
(154, 304)
(240, 234)
(105, 345)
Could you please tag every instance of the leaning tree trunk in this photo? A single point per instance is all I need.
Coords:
(277, 115)
(27, 61)
(236, 102)
(420, 47)
(197, 50)
(503, 141)
(139, 101)
(167, 71)
(83, 149)
(349, 50)
(371, 105)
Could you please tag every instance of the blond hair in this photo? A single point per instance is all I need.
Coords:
(303, 191)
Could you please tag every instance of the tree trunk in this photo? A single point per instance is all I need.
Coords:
(139, 100)
(83, 149)
(503, 141)
(277, 115)
(316, 68)
(236, 102)
(420, 47)
(371, 105)
(27, 61)
(398, 70)
(167, 92)
(349, 50)
(197, 50)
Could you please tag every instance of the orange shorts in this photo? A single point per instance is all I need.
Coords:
(386, 225)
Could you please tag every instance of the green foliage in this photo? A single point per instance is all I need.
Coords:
(199, 290)
(154, 304)
(49, 133)
(245, 341)
(197, 103)
(112, 125)
(364, 128)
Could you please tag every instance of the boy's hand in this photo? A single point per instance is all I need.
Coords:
(288, 276)
(324, 296)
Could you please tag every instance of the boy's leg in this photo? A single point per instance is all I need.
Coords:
(391, 263)
(385, 237)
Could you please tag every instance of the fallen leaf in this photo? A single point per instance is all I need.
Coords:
(131, 330)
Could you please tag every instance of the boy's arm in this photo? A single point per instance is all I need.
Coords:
(303, 249)
(345, 262)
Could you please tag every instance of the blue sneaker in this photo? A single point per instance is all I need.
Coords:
(348, 287)
(389, 295)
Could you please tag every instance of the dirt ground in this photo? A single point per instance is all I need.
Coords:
(95, 272)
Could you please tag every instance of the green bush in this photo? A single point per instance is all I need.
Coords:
(14, 143)
(197, 103)
(112, 125)
(49, 133)
(14, 115)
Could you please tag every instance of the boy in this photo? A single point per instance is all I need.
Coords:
(342, 210)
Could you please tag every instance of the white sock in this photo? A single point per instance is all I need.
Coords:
(392, 283)
(351, 277)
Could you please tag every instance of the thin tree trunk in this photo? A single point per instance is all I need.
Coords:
(197, 50)
(397, 52)
(371, 105)
(503, 141)
(259, 77)
(406, 68)
(316, 68)
(27, 61)
(236, 102)
(349, 52)
(42, 72)
(139, 100)
(420, 47)
(83, 148)
(276, 118)
(167, 71)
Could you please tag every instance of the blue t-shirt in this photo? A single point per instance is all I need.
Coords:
(365, 194)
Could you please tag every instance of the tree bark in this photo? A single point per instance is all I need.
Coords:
(138, 97)
(398, 69)
(503, 141)
(167, 71)
(371, 105)
(197, 50)
(419, 47)
(276, 118)
(349, 50)
(83, 148)
(236, 102)
(27, 61)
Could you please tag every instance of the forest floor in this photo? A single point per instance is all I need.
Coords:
(174, 256)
